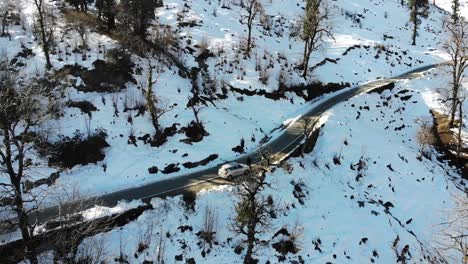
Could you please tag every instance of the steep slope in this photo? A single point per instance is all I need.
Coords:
(362, 195)
(239, 115)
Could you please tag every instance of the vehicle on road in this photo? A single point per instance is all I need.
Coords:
(232, 170)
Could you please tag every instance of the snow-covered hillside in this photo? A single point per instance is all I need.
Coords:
(371, 40)
(364, 194)
(339, 217)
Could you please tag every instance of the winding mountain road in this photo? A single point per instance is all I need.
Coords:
(290, 138)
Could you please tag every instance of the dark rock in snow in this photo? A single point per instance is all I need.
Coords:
(153, 170)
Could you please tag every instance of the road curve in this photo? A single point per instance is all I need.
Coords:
(290, 138)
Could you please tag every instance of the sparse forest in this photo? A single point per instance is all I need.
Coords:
(233, 131)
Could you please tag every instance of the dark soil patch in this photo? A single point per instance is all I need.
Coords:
(190, 165)
(195, 132)
(78, 150)
(285, 246)
(240, 148)
(28, 185)
(381, 89)
(283, 231)
(171, 168)
(85, 106)
(308, 92)
(107, 76)
(159, 139)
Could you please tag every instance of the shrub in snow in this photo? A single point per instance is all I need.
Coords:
(78, 150)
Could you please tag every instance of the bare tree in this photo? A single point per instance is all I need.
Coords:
(154, 105)
(452, 238)
(402, 254)
(460, 126)
(6, 7)
(315, 29)
(253, 8)
(45, 29)
(77, 24)
(195, 109)
(254, 210)
(425, 135)
(208, 232)
(193, 104)
(69, 244)
(457, 48)
(23, 109)
(161, 248)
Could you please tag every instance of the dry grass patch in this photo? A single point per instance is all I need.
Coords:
(445, 135)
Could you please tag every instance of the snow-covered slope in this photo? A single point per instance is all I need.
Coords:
(340, 218)
(371, 40)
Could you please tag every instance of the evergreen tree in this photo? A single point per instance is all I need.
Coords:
(419, 8)
(109, 11)
(136, 15)
(455, 11)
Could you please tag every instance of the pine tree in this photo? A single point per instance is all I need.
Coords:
(455, 11)
(419, 8)
(136, 15)
(109, 10)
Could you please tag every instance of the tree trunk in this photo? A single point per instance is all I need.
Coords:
(110, 22)
(249, 38)
(45, 41)
(305, 63)
(23, 225)
(4, 23)
(248, 259)
(454, 99)
(460, 126)
(415, 25)
(195, 113)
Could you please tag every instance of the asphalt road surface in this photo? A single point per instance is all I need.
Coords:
(289, 139)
